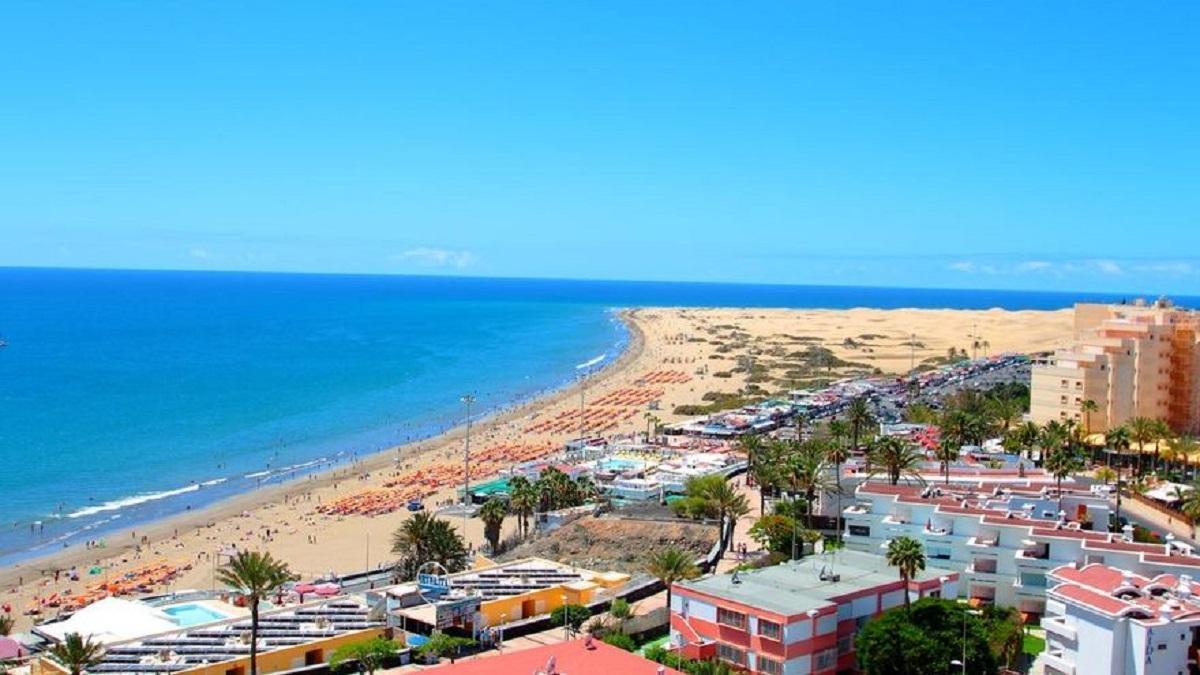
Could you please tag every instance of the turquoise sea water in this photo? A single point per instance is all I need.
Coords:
(127, 396)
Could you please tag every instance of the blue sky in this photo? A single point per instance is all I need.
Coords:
(957, 144)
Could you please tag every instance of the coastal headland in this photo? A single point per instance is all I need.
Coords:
(678, 362)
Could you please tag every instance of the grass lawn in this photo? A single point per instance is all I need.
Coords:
(1033, 645)
(658, 642)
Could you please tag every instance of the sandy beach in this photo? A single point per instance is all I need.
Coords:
(675, 357)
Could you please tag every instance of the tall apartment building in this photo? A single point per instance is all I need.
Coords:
(1139, 360)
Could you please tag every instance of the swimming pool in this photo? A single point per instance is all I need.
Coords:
(619, 465)
(193, 614)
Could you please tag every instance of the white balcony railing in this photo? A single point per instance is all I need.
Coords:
(1060, 661)
(1060, 627)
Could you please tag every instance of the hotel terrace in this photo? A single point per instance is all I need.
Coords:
(497, 595)
(1004, 537)
(1131, 360)
(1105, 621)
(287, 639)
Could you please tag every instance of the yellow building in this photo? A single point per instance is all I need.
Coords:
(493, 595)
(1139, 360)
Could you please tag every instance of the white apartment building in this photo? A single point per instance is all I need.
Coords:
(1003, 538)
(1101, 620)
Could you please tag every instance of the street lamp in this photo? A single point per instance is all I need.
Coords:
(566, 620)
(467, 399)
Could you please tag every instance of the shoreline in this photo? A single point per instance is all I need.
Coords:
(123, 541)
(672, 360)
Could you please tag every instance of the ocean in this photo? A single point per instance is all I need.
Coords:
(127, 396)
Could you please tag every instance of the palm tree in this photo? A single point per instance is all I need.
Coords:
(752, 445)
(1027, 436)
(1106, 474)
(1087, 408)
(735, 511)
(768, 470)
(906, 555)
(492, 514)
(1162, 434)
(1119, 440)
(1190, 506)
(522, 499)
(895, 457)
(1142, 430)
(671, 565)
(77, 653)
(426, 538)
(1005, 411)
(1062, 463)
(808, 469)
(725, 501)
(839, 431)
(1186, 447)
(860, 419)
(947, 452)
(254, 575)
(1006, 634)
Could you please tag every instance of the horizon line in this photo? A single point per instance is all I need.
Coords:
(1131, 294)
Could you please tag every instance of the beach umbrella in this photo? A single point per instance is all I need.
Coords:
(327, 589)
(304, 588)
(11, 649)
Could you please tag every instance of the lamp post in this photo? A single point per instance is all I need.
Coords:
(467, 400)
(566, 620)
(500, 638)
(582, 389)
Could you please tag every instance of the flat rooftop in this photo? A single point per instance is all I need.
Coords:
(795, 587)
(226, 640)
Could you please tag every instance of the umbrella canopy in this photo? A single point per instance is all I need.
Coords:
(304, 588)
(11, 649)
(327, 589)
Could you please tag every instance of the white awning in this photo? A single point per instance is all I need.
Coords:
(111, 620)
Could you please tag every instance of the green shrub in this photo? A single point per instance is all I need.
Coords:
(621, 640)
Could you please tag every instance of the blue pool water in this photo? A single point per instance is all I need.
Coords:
(192, 614)
(617, 464)
(127, 396)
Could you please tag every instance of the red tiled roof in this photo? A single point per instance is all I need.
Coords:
(1093, 599)
(1099, 577)
(571, 658)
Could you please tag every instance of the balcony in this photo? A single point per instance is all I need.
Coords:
(982, 566)
(1058, 626)
(988, 542)
(1035, 560)
(1026, 586)
(1058, 659)
(857, 509)
(935, 530)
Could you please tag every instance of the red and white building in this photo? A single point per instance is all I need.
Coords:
(795, 618)
(1101, 620)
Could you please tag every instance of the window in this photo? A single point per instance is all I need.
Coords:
(731, 654)
(770, 629)
(769, 666)
(729, 617)
(860, 530)
(845, 644)
(935, 594)
(825, 659)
